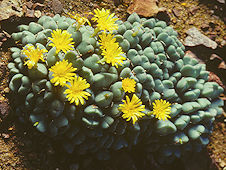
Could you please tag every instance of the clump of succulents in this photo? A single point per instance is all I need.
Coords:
(112, 85)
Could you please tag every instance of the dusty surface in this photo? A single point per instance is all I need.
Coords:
(24, 148)
(4, 90)
(207, 16)
(217, 147)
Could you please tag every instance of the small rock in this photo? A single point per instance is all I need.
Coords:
(2, 35)
(5, 136)
(223, 43)
(38, 6)
(57, 6)
(193, 9)
(216, 59)
(2, 99)
(205, 27)
(6, 90)
(146, 8)
(29, 4)
(218, 29)
(195, 38)
(222, 65)
(37, 14)
(29, 13)
(212, 36)
(4, 39)
(177, 12)
(222, 164)
(118, 2)
(211, 11)
(214, 78)
(6, 34)
(221, 1)
(11, 128)
(4, 108)
(96, 6)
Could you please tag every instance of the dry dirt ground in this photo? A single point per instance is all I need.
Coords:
(21, 147)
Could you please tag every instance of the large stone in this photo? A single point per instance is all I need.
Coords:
(10, 8)
(146, 8)
(195, 38)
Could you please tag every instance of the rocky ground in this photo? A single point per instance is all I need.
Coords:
(201, 27)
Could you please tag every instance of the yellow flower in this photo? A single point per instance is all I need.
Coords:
(62, 72)
(105, 20)
(128, 85)
(33, 55)
(106, 40)
(75, 92)
(80, 20)
(132, 109)
(61, 40)
(98, 14)
(113, 55)
(161, 109)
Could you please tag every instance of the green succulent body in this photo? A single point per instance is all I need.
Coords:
(155, 60)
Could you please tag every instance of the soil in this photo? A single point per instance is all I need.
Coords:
(207, 16)
(22, 147)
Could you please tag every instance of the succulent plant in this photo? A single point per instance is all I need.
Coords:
(111, 87)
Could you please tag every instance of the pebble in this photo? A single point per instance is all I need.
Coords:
(221, 1)
(5, 136)
(37, 13)
(57, 6)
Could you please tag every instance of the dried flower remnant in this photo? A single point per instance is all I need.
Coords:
(81, 20)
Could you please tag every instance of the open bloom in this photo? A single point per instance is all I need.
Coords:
(62, 73)
(161, 109)
(33, 55)
(80, 19)
(75, 92)
(113, 55)
(105, 20)
(132, 109)
(106, 40)
(61, 40)
(128, 85)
